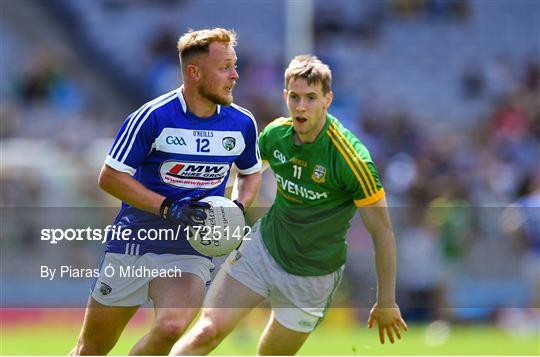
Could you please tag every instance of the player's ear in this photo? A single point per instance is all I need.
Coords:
(194, 72)
(285, 94)
(328, 97)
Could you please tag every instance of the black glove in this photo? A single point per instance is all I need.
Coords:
(240, 205)
(184, 211)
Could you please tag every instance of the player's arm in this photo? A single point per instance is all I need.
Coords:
(246, 188)
(377, 221)
(385, 312)
(248, 174)
(127, 189)
(124, 187)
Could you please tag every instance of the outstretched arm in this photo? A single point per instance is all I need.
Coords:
(385, 312)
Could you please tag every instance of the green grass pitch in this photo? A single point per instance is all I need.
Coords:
(326, 340)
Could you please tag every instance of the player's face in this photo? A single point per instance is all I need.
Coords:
(218, 74)
(308, 106)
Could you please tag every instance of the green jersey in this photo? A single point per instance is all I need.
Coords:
(319, 186)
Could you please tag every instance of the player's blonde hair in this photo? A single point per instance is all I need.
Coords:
(196, 42)
(310, 68)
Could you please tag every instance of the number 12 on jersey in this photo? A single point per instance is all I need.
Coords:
(202, 145)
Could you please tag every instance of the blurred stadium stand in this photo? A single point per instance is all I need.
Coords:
(444, 93)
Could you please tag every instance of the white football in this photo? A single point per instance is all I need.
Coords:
(223, 229)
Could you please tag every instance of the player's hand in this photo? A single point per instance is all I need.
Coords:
(388, 320)
(184, 211)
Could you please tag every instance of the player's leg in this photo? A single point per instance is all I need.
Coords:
(299, 304)
(101, 328)
(239, 286)
(228, 301)
(113, 301)
(279, 341)
(176, 301)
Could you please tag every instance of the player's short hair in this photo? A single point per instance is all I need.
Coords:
(310, 68)
(196, 42)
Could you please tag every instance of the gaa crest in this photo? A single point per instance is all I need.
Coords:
(319, 174)
(229, 143)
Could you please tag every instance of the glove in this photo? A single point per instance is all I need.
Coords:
(240, 205)
(184, 211)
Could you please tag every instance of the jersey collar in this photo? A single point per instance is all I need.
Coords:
(180, 92)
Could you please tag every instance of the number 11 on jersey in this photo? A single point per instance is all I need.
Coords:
(297, 171)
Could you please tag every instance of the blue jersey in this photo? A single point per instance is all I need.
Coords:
(531, 220)
(176, 154)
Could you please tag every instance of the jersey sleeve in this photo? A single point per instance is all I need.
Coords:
(133, 143)
(370, 192)
(249, 161)
(359, 174)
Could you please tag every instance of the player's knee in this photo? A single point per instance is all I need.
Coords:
(209, 332)
(169, 329)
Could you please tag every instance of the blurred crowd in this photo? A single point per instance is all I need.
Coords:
(447, 185)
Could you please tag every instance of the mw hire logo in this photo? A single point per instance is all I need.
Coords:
(193, 174)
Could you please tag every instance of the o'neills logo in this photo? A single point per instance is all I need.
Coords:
(193, 174)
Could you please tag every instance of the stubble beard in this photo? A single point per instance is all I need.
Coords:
(212, 97)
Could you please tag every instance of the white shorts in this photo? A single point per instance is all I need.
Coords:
(299, 302)
(124, 279)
